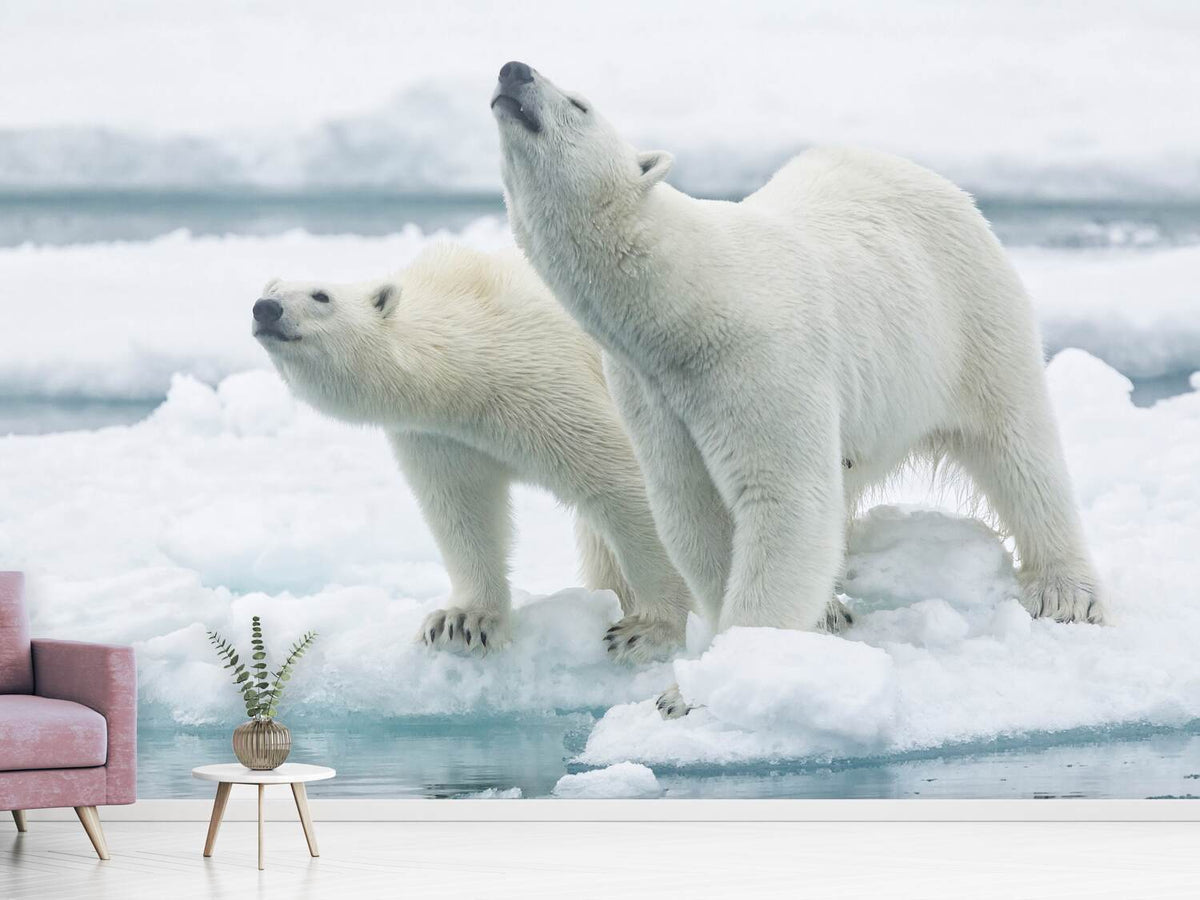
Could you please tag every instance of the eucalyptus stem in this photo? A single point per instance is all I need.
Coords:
(261, 689)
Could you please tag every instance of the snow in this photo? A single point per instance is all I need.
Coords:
(117, 320)
(942, 654)
(1140, 312)
(623, 780)
(235, 501)
(1066, 99)
(497, 794)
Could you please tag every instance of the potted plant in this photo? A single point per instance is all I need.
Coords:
(260, 743)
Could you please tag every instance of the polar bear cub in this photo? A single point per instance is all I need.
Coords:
(480, 379)
(774, 358)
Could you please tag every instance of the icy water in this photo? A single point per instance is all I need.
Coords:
(40, 415)
(66, 217)
(457, 757)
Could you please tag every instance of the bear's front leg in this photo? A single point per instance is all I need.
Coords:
(689, 515)
(777, 465)
(464, 497)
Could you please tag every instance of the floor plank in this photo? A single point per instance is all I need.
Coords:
(608, 859)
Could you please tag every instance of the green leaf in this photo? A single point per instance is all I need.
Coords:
(260, 655)
(242, 677)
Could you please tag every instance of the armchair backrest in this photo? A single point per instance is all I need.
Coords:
(16, 658)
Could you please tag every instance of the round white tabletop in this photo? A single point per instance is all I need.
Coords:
(288, 773)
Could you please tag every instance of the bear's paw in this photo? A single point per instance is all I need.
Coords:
(1063, 598)
(638, 639)
(671, 705)
(461, 630)
(836, 618)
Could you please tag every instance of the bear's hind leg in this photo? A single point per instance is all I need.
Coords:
(599, 567)
(636, 638)
(1016, 461)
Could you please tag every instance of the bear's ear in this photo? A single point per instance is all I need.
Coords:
(385, 298)
(655, 164)
(270, 286)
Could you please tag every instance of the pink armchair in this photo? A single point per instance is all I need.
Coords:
(68, 720)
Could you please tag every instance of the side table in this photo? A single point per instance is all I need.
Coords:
(294, 774)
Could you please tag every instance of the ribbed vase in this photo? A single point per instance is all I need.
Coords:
(261, 744)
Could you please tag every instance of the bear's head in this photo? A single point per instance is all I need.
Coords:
(322, 336)
(555, 145)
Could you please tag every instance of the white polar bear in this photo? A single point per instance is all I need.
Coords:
(775, 357)
(480, 379)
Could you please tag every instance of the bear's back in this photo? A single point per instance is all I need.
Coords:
(850, 186)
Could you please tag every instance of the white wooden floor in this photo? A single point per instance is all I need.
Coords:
(54, 861)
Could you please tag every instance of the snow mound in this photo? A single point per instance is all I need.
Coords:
(496, 794)
(1140, 312)
(942, 653)
(124, 321)
(236, 500)
(622, 780)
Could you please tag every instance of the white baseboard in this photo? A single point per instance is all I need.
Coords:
(281, 807)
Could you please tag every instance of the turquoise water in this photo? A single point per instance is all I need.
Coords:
(68, 217)
(457, 757)
(41, 415)
(72, 217)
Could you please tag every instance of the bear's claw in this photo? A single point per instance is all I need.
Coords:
(836, 618)
(1063, 599)
(671, 705)
(638, 639)
(465, 630)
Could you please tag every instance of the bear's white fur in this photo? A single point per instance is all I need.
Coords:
(480, 379)
(776, 357)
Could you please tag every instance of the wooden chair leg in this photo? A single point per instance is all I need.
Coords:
(218, 813)
(19, 818)
(91, 824)
(310, 835)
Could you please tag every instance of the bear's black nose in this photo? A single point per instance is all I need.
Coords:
(515, 73)
(267, 310)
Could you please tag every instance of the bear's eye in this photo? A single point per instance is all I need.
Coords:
(320, 296)
(579, 106)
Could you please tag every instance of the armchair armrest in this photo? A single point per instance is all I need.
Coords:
(103, 677)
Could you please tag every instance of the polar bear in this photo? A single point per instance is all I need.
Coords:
(774, 358)
(480, 379)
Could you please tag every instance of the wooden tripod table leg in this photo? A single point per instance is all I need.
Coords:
(261, 788)
(310, 835)
(218, 813)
